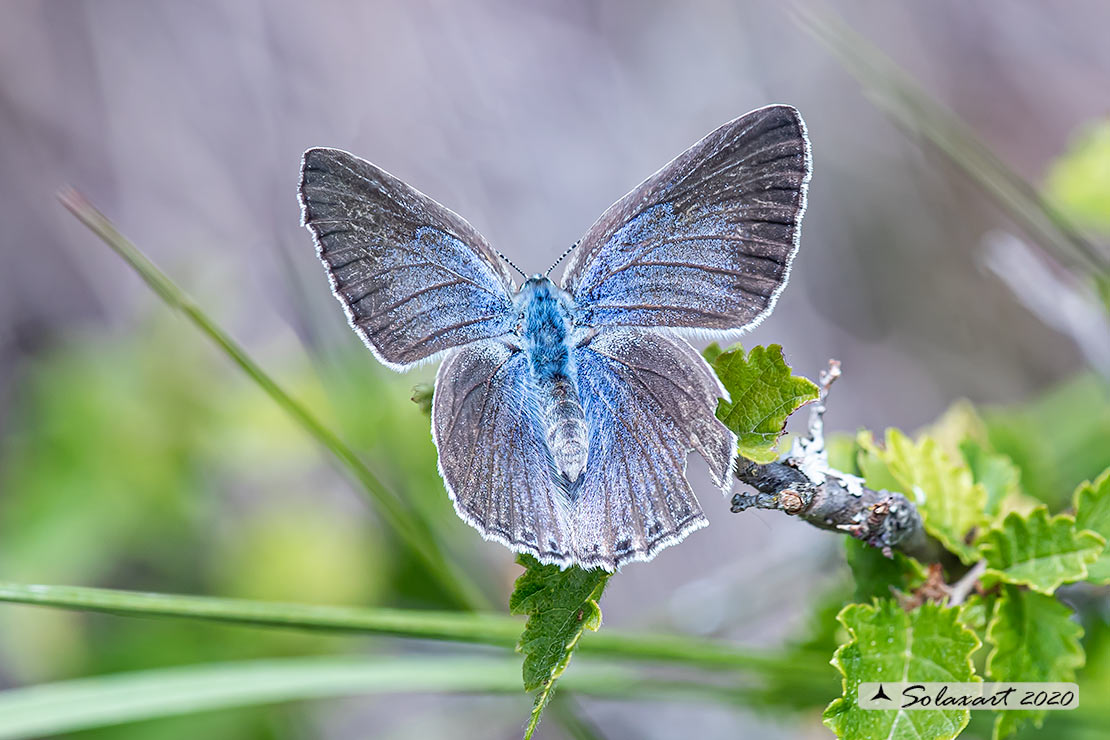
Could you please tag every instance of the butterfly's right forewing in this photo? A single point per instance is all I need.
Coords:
(706, 243)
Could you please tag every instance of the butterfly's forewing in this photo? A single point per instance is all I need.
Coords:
(649, 399)
(492, 453)
(706, 242)
(414, 278)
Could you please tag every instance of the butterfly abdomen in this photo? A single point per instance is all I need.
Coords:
(546, 328)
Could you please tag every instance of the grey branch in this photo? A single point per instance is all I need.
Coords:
(803, 484)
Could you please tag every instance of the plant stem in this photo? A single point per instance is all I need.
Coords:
(803, 484)
(414, 533)
(488, 629)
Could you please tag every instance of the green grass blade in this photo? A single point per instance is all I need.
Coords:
(114, 699)
(897, 95)
(484, 628)
(414, 533)
(488, 629)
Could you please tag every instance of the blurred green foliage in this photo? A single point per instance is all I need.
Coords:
(1078, 182)
(145, 462)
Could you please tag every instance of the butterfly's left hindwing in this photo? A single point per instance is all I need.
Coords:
(414, 278)
(492, 453)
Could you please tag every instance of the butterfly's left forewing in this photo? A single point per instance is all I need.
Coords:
(414, 278)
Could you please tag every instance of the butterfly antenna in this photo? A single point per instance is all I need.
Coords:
(562, 257)
(509, 262)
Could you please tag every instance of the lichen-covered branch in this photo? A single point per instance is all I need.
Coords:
(803, 484)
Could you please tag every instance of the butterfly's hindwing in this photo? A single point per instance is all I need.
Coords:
(414, 278)
(706, 243)
(649, 400)
(492, 452)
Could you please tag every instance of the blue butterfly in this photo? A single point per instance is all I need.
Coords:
(563, 415)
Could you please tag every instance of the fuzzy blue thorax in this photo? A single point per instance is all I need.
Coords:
(546, 327)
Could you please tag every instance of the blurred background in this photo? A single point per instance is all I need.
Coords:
(133, 455)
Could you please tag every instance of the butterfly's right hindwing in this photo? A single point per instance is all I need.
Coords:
(649, 400)
(492, 453)
(414, 278)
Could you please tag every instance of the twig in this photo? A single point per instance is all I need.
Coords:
(958, 591)
(803, 484)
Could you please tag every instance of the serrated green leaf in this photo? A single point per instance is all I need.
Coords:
(875, 574)
(763, 394)
(1092, 512)
(1038, 551)
(888, 644)
(1033, 638)
(975, 612)
(951, 504)
(959, 423)
(561, 605)
(999, 477)
(873, 468)
(961, 434)
(712, 352)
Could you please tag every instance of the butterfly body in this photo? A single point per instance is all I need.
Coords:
(549, 338)
(563, 414)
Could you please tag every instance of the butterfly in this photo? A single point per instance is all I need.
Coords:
(563, 413)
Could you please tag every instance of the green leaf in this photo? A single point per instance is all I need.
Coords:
(875, 574)
(998, 476)
(872, 466)
(422, 397)
(712, 352)
(763, 394)
(1033, 638)
(1057, 440)
(959, 423)
(1079, 181)
(888, 644)
(950, 502)
(843, 453)
(1092, 512)
(561, 605)
(975, 612)
(1039, 551)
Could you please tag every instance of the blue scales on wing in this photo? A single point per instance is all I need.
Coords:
(648, 403)
(705, 243)
(414, 278)
(649, 400)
